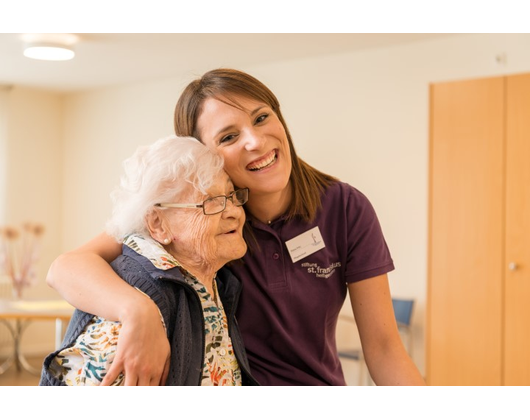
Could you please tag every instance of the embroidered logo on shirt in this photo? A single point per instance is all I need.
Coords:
(319, 272)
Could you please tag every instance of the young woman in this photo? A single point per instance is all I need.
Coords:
(311, 239)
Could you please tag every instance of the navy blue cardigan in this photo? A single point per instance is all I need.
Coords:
(182, 312)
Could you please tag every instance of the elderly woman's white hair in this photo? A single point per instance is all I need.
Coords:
(155, 174)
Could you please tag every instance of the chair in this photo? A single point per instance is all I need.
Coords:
(403, 314)
(354, 354)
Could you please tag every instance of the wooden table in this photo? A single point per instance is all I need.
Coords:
(23, 312)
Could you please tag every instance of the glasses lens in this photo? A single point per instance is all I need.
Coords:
(214, 205)
(240, 197)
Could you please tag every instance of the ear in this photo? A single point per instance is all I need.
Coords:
(156, 225)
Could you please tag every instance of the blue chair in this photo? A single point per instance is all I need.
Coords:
(403, 313)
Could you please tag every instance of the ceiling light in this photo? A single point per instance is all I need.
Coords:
(51, 52)
(55, 47)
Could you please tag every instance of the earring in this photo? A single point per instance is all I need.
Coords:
(166, 241)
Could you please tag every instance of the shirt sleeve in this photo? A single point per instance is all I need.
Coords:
(368, 254)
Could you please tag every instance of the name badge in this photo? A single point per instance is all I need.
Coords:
(305, 244)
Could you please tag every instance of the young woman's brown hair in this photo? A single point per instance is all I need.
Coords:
(228, 84)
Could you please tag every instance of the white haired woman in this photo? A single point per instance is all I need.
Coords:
(180, 222)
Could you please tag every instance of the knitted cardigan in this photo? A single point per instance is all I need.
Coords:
(181, 309)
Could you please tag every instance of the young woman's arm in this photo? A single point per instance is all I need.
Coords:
(86, 280)
(385, 355)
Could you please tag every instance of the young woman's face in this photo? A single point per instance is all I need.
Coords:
(252, 141)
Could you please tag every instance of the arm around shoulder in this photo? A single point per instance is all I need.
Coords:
(86, 280)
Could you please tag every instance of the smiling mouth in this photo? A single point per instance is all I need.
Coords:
(230, 232)
(263, 163)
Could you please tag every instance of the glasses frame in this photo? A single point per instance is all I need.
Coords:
(202, 205)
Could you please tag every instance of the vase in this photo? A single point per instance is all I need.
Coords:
(18, 287)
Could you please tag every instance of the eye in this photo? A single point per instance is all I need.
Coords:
(227, 138)
(262, 118)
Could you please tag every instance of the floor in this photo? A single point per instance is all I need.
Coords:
(12, 377)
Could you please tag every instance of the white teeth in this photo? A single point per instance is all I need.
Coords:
(264, 163)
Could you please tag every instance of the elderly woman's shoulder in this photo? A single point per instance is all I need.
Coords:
(227, 282)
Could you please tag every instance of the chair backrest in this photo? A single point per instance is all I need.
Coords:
(403, 310)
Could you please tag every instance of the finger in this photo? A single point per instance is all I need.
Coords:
(131, 380)
(144, 381)
(115, 369)
(165, 373)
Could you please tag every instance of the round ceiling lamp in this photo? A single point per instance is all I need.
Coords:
(50, 52)
(53, 47)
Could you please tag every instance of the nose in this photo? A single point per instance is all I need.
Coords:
(253, 139)
(233, 211)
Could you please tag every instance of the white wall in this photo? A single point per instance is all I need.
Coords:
(3, 150)
(30, 183)
(34, 169)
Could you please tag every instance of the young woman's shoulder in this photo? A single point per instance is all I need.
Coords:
(342, 192)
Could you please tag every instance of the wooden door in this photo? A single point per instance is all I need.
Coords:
(466, 233)
(517, 261)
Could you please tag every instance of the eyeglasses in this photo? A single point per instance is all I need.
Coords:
(213, 205)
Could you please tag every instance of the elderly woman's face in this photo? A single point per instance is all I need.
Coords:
(199, 239)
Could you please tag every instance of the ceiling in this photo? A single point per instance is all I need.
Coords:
(110, 59)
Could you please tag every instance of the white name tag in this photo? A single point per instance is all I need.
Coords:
(305, 244)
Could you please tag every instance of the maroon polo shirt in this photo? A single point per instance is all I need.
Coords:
(288, 311)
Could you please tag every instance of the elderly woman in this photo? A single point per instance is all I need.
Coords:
(180, 222)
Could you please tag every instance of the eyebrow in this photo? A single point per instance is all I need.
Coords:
(258, 109)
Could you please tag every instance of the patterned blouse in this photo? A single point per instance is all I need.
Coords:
(87, 361)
